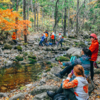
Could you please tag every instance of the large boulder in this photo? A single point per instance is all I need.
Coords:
(74, 52)
(44, 88)
(19, 96)
(3, 94)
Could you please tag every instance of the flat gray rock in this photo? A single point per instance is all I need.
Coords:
(44, 88)
(19, 96)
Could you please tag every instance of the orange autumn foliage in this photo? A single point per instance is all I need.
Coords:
(7, 21)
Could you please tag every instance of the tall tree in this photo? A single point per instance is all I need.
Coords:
(77, 29)
(65, 16)
(24, 17)
(56, 16)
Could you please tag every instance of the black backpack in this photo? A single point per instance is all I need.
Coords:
(60, 97)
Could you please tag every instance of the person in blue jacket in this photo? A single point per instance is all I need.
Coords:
(84, 60)
(42, 40)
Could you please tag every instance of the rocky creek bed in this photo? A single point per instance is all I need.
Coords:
(42, 63)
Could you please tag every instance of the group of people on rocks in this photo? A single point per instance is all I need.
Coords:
(52, 40)
(75, 86)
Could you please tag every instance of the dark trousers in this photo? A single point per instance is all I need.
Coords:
(91, 69)
(68, 92)
(52, 41)
(40, 44)
(15, 41)
(66, 70)
(60, 43)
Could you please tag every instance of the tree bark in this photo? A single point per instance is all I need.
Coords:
(65, 16)
(16, 19)
(56, 16)
(34, 16)
(77, 29)
(24, 18)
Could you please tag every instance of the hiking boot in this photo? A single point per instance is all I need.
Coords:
(51, 94)
(59, 75)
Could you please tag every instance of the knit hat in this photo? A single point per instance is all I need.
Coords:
(93, 35)
(87, 51)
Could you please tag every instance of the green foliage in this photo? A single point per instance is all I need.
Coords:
(7, 46)
(19, 58)
(19, 48)
(32, 61)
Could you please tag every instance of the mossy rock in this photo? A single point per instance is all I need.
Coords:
(32, 61)
(31, 56)
(19, 48)
(81, 44)
(47, 70)
(19, 58)
(25, 53)
(7, 46)
(99, 41)
(48, 63)
(25, 44)
(62, 58)
(63, 67)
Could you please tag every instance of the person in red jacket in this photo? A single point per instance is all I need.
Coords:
(14, 37)
(94, 47)
(52, 38)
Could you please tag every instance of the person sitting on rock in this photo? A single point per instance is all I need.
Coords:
(77, 89)
(60, 40)
(14, 37)
(84, 60)
(42, 40)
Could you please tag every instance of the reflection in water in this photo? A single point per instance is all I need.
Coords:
(13, 77)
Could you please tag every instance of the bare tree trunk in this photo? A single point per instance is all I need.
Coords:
(16, 19)
(65, 16)
(62, 16)
(37, 19)
(56, 16)
(84, 14)
(68, 18)
(24, 17)
(32, 11)
(77, 29)
(34, 16)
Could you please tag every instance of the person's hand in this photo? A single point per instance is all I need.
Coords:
(70, 75)
(60, 62)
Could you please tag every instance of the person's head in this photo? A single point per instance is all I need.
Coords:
(78, 70)
(59, 33)
(93, 37)
(14, 33)
(42, 34)
(46, 31)
(86, 51)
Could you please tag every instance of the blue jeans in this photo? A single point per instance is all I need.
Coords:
(40, 44)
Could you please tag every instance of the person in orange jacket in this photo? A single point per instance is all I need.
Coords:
(52, 38)
(14, 37)
(94, 48)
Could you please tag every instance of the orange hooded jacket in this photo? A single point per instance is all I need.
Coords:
(94, 47)
(14, 36)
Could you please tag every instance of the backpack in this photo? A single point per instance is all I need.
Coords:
(73, 58)
(60, 96)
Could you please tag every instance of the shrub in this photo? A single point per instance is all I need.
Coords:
(19, 58)
(19, 48)
(7, 46)
(32, 61)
